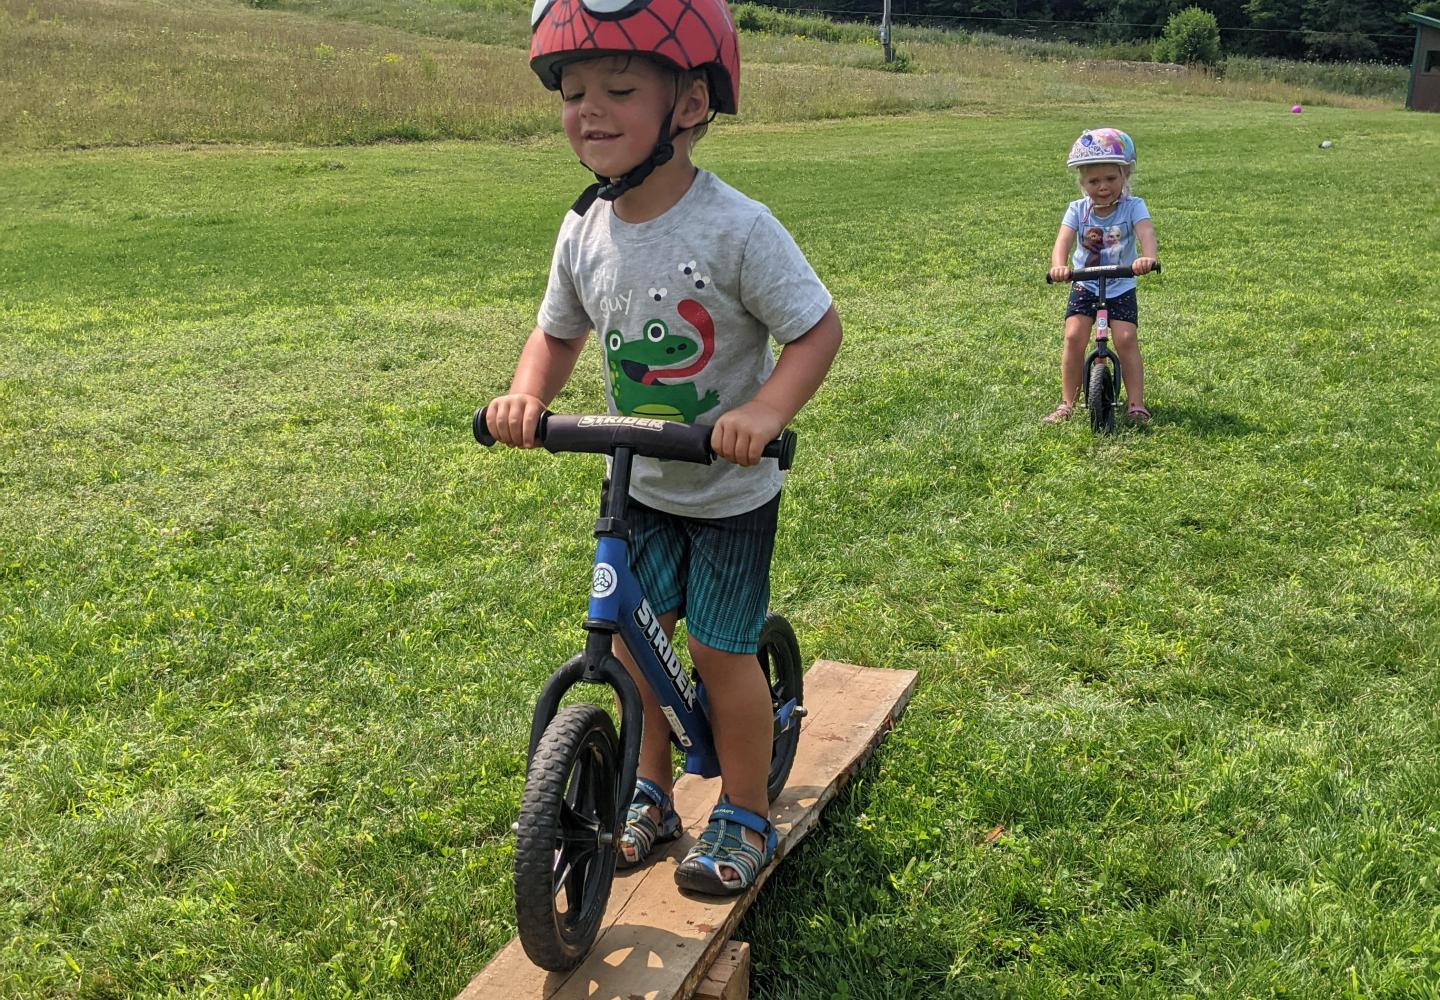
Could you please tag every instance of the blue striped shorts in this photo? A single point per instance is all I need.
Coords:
(712, 572)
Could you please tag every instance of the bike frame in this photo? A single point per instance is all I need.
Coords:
(618, 606)
(1101, 350)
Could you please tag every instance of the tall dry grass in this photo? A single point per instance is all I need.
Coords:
(94, 72)
(1369, 79)
(123, 72)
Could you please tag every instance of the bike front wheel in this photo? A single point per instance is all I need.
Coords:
(779, 654)
(565, 837)
(1100, 398)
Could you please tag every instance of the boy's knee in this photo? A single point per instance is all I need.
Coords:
(1077, 336)
(700, 654)
(705, 657)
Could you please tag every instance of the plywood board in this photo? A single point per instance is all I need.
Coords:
(729, 975)
(656, 942)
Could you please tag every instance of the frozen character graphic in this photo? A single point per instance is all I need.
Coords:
(643, 372)
(1093, 243)
(1114, 245)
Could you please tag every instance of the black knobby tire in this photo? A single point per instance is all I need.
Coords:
(779, 655)
(564, 845)
(1100, 398)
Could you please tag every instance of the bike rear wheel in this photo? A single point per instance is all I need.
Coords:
(565, 837)
(1100, 398)
(779, 654)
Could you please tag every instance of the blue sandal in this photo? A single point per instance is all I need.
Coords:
(723, 844)
(642, 833)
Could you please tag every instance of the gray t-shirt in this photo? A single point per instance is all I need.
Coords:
(684, 306)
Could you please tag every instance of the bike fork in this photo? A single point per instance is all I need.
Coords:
(1101, 354)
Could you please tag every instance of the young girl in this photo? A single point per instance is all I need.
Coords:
(1108, 222)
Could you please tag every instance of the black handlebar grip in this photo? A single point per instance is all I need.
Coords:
(782, 449)
(478, 428)
(482, 431)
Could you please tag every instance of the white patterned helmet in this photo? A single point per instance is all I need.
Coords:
(1102, 145)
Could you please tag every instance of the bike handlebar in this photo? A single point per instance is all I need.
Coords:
(1107, 272)
(602, 434)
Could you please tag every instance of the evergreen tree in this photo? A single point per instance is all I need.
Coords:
(1295, 29)
(1281, 21)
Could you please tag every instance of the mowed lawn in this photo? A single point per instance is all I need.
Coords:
(271, 624)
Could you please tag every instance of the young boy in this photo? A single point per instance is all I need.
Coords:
(685, 281)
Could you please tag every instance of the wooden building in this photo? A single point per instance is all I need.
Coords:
(1424, 92)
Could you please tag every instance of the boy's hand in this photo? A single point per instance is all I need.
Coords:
(741, 434)
(1143, 265)
(1059, 273)
(512, 418)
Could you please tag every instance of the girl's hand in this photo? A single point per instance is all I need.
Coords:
(1059, 273)
(512, 418)
(1143, 265)
(741, 434)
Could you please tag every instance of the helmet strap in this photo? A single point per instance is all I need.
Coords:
(608, 189)
(663, 152)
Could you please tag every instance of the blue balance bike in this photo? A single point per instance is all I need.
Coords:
(1100, 375)
(580, 777)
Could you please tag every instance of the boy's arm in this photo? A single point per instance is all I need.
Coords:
(544, 367)
(1059, 266)
(742, 433)
(1145, 236)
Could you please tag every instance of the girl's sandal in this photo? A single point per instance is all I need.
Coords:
(723, 845)
(1138, 415)
(642, 833)
(1061, 413)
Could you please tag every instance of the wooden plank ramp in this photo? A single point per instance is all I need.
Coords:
(657, 943)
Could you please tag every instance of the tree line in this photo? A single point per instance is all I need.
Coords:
(1294, 29)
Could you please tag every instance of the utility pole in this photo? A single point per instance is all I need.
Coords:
(885, 33)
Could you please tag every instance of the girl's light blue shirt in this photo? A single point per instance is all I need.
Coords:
(1108, 239)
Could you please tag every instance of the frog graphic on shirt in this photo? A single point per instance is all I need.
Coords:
(641, 372)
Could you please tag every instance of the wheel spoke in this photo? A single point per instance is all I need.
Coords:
(575, 885)
(563, 867)
(576, 828)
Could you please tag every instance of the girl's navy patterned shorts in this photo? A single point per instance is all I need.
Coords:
(1123, 308)
(713, 572)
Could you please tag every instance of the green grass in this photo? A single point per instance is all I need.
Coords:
(271, 624)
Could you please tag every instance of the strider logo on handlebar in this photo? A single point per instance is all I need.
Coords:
(655, 635)
(643, 423)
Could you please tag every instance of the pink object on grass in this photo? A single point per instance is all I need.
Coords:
(1295, 109)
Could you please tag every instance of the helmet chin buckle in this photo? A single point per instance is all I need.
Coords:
(608, 189)
(631, 179)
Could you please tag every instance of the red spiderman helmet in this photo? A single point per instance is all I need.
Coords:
(685, 34)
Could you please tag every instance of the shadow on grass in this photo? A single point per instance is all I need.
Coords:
(1205, 422)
